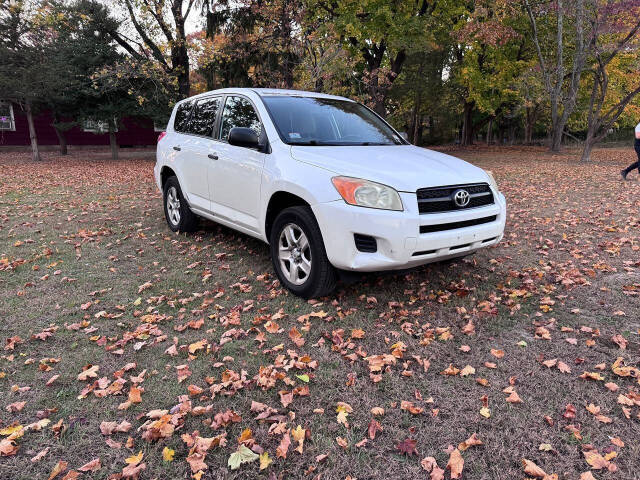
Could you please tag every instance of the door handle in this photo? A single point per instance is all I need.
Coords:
(176, 148)
(213, 156)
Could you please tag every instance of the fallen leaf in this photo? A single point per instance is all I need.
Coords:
(92, 466)
(240, 456)
(59, 467)
(455, 464)
(283, 448)
(532, 469)
(167, 454)
(407, 447)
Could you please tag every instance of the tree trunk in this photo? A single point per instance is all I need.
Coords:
(490, 131)
(62, 141)
(556, 137)
(179, 52)
(467, 124)
(210, 33)
(528, 134)
(113, 143)
(417, 119)
(588, 146)
(530, 119)
(35, 152)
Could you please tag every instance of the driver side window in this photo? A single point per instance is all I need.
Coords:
(238, 112)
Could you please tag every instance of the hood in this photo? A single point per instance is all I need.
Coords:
(403, 167)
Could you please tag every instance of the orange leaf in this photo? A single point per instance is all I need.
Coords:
(532, 469)
(514, 398)
(91, 466)
(469, 442)
(60, 467)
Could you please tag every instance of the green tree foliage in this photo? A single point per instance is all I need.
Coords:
(438, 69)
(24, 52)
(379, 34)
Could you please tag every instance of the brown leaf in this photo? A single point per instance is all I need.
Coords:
(514, 398)
(40, 455)
(532, 469)
(60, 467)
(469, 442)
(407, 447)
(597, 461)
(455, 464)
(374, 427)
(90, 371)
(92, 466)
(71, 475)
(430, 465)
(283, 448)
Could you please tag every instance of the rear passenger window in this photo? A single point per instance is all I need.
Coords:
(238, 112)
(182, 116)
(204, 117)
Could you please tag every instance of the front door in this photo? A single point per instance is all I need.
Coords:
(237, 175)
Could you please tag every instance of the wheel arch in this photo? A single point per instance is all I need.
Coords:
(165, 173)
(280, 200)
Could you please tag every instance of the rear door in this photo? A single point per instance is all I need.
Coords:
(195, 150)
(237, 176)
(192, 175)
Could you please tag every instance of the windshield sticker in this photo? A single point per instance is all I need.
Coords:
(294, 135)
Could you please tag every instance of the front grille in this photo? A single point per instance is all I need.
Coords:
(441, 227)
(365, 243)
(440, 199)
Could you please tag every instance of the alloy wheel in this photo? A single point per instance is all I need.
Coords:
(294, 254)
(173, 205)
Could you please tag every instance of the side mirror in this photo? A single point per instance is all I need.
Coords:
(243, 137)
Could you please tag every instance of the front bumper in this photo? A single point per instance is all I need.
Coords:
(399, 241)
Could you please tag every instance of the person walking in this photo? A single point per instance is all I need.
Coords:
(626, 171)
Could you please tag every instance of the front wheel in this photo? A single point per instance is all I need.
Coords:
(298, 254)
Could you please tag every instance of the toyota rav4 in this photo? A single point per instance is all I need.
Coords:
(325, 181)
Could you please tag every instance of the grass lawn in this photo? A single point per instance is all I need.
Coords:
(191, 346)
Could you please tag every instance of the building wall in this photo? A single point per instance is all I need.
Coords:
(134, 131)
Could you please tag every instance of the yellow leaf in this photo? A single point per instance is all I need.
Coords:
(134, 459)
(11, 429)
(167, 454)
(265, 460)
(485, 412)
(298, 435)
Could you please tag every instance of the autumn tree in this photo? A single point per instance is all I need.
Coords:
(614, 71)
(380, 34)
(154, 31)
(561, 35)
(250, 43)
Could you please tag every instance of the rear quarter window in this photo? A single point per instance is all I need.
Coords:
(182, 116)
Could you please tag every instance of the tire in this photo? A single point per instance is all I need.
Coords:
(179, 216)
(314, 275)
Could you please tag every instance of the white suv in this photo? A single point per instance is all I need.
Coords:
(325, 181)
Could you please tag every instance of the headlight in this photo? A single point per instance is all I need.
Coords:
(492, 180)
(363, 193)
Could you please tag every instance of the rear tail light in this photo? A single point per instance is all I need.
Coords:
(161, 136)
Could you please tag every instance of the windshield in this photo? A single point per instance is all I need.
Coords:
(327, 121)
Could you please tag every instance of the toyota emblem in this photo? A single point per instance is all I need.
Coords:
(461, 198)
